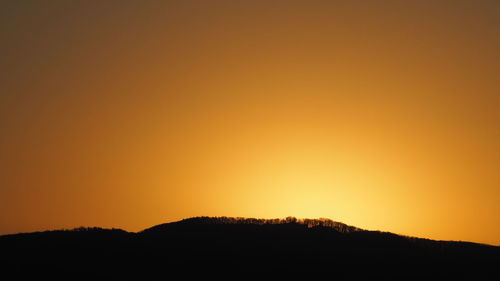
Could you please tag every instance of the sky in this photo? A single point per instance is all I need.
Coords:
(379, 114)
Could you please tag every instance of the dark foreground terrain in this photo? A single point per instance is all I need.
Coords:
(238, 248)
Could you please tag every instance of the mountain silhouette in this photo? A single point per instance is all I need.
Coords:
(242, 247)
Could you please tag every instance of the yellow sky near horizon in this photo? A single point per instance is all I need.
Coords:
(379, 114)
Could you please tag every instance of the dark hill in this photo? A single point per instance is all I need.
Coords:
(237, 247)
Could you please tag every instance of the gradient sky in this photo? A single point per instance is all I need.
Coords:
(380, 114)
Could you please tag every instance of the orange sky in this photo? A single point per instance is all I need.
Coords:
(380, 114)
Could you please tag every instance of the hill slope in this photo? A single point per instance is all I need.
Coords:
(228, 246)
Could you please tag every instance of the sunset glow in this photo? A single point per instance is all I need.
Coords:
(379, 114)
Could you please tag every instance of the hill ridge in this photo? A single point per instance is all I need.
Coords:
(224, 220)
(235, 245)
(325, 223)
